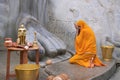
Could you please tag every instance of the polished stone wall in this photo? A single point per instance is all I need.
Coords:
(102, 15)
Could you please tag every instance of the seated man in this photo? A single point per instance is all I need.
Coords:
(85, 46)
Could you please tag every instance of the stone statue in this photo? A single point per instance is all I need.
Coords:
(21, 40)
(116, 43)
(49, 44)
(33, 14)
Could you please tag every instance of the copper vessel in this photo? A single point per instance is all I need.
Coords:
(27, 71)
(107, 52)
(8, 42)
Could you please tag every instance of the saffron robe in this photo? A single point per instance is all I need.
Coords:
(85, 46)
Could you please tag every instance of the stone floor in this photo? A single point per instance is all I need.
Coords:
(116, 76)
(75, 72)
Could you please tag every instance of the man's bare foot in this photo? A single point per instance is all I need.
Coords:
(91, 65)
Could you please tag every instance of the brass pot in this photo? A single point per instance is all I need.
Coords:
(27, 71)
(107, 52)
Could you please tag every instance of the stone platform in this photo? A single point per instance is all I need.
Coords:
(75, 72)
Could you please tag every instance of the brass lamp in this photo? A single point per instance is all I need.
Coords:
(21, 35)
(35, 44)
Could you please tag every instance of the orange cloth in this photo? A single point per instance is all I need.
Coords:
(85, 46)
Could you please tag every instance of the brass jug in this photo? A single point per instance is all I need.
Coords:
(107, 52)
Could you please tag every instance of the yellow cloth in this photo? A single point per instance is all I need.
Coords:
(85, 46)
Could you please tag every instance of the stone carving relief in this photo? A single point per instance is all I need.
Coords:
(102, 16)
(33, 14)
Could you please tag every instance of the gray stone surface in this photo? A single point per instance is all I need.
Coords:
(42, 74)
(116, 76)
(76, 72)
(3, 58)
(103, 15)
(57, 59)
